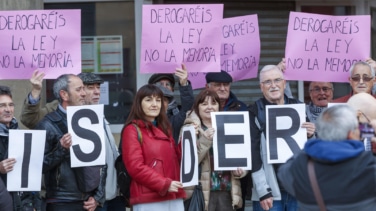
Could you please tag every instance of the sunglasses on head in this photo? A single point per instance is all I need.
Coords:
(365, 78)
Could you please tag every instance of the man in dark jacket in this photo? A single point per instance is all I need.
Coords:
(267, 194)
(220, 82)
(344, 171)
(62, 192)
(176, 114)
(7, 122)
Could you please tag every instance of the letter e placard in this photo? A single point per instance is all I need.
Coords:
(231, 141)
(86, 126)
(284, 135)
(189, 162)
(27, 147)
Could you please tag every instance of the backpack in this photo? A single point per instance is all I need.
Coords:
(123, 178)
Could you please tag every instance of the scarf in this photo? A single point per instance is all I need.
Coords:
(4, 130)
(314, 111)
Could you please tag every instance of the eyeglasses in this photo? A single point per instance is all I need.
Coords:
(165, 84)
(275, 81)
(365, 78)
(317, 90)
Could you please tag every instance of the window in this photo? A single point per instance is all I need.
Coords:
(105, 21)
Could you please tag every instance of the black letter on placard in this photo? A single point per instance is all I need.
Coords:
(187, 136)
(26, 161)
(86, 134)
(285, 134)
(224, 139)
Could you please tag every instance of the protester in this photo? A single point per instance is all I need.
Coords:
(21, 200)
(92, 84)
(220, 82)
(62, 192)
(176, 114)
(345, 173)
(222, 188)
(267, 194)
(321, 93)
(362, 78)
(150, 154)
(32, 112)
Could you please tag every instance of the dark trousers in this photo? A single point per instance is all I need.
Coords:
(76, 206)
(220, 201)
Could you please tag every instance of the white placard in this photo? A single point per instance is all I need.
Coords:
(104, 97)
(189, 162)
(231, 141)
(284, 134)
(27, 147)
(86, 126)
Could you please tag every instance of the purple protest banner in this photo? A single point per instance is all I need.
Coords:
(240, 50)
(323, 47)
(48, 40)
(175, 34)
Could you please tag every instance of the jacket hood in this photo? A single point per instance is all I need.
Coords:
(333, 151)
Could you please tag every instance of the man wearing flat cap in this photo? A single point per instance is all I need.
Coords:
(176, 113)
(220, 82)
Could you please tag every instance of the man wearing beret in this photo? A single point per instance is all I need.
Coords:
(176, 114)
(220, 82)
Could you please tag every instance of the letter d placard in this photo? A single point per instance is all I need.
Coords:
(189, 161)
(86, 126)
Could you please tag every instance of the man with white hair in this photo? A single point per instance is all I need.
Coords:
(267, 194)
(362, 77)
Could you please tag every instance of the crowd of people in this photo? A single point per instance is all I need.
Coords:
(151, 146)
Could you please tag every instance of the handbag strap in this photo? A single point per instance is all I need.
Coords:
(314, 184)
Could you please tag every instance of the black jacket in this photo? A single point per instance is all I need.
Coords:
(177, 118)
(60, 180)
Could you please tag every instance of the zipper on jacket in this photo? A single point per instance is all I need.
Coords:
(154, 164)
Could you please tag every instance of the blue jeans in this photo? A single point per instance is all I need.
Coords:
(116, 204)
(288, 203)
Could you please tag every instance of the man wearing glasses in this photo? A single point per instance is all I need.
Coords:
(267, 194)
(362, 77)
(321, 93)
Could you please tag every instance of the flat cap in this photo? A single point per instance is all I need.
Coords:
(159, 76)
(90, 78)
(166, 92)
(221, 77)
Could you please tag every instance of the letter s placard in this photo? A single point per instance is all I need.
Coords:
(86, 126)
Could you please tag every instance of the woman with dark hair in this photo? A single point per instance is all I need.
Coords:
(150, 154)
(222, 191)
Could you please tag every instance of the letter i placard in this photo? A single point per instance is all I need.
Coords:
(27, 147)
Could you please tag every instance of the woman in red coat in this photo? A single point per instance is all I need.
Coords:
(151, 156)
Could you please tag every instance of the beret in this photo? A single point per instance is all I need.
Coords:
(159, 76)
(90, 78)
(221, 77)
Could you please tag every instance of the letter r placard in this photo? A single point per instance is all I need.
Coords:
(284, 135)
(231, 141)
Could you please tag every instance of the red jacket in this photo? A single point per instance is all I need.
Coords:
(152, 164)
